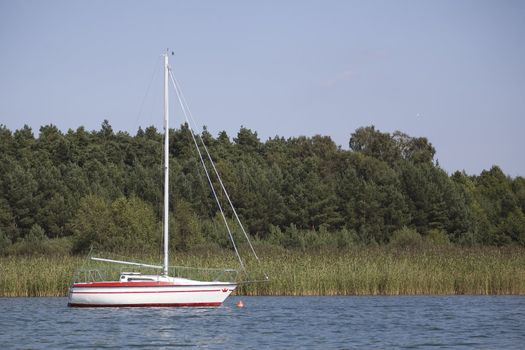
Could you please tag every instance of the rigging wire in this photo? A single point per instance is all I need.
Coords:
(206, 171)
(153, 75)
(185, 106)
(218, 175)
(139, 115)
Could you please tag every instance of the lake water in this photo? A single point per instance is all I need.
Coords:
(405, 322)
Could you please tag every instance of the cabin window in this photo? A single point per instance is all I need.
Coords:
(140, 279)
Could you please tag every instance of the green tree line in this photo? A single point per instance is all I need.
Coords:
(105, 188)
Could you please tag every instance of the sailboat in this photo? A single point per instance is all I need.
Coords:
(137, 289)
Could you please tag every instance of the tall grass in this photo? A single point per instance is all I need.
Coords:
(357, 271)
(384, 271)
(37, 276)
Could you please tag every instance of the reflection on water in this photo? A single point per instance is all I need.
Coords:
(272, 322)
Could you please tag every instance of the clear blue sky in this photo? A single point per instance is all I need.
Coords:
(453, 71)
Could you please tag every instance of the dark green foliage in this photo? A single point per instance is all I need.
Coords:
(437, 237)
(433, 199)
(36, 242)
(185, 229)
(373, 143)
(498, 207)
(124, 225)
(104, 188)
(406, 238)
(293, 239)
(5, 243)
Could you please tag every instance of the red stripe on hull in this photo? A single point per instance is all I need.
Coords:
(147, 305)
(124, 284)
(151, 292)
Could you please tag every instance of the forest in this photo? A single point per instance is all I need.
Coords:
(68, 191)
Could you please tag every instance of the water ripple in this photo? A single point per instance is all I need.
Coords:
(422, 322)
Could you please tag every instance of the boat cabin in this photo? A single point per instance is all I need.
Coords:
(136, 277)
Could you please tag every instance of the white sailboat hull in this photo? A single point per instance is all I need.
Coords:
(150, 294)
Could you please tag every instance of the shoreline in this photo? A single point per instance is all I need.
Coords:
(365, 271)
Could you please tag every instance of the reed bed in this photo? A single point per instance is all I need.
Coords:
(36, 276)
(358, 271)
(382, 271)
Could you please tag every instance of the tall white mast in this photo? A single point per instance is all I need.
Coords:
(166, 164)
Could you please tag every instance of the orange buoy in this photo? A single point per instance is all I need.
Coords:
(240, 304)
